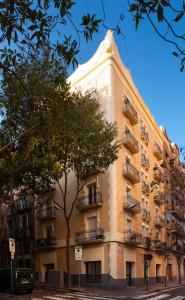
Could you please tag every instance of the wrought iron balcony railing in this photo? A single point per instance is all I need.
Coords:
(130, 142)
(131, 204)
(158, 175)
(130, 112)
(144, 135)
(159, 198)
(145, 161)
(177, 229)
(160, 246)
(131, 173)
(178, 212)
(46, 213)
(132, 237)
(145, 187)
(91, 201)
(44, 243)
(146, 217)
(90, 236)
(159, 222)
(157, 151)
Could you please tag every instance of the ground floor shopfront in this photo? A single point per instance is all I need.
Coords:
(107, 264)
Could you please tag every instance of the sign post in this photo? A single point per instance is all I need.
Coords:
(12, 252)
(78, 257)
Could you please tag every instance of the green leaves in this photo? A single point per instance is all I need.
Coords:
(90, 24)
(179, 16)
(160, 13)
(71, 136)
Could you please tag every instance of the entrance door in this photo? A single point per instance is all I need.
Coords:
(169, 272)
(129, 275)
(158, 272)
(48, 267)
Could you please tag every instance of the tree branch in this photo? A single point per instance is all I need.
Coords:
(59, 205)
(76, 196)
(22, 134)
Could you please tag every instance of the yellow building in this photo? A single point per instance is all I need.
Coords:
(118, 220)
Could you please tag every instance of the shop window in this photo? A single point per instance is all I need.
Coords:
(93, 271)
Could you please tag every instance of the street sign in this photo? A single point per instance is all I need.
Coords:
(11, 245)
(78, 252)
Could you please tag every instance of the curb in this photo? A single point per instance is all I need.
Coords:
(77, 290)
(167, 288)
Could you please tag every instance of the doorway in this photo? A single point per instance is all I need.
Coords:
(129, 273)
(48, 267)
(169, 272)
(158, 273)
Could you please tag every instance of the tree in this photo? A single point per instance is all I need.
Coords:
(28, 27)
(72, 137)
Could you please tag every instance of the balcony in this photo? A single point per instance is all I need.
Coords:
(147, 242)
(132, 238)
(88, 171)
(178, 212)
(23, 206)
(178, 247)
(46, 213)
(130, 142)
(144, 135)
(131, 173)
(92, 94)
(132, 205)
(46, 243)
(146, 215)
(159, 198)
(145, 187)
(159, 246)
(130, 112)
(157, 151)
(145, 161)
(177, 230)
(23, 233)
(90, 236)
(158, 175)
(87, 202)
(159, 222)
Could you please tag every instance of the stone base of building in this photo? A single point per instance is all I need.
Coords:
(108, 281)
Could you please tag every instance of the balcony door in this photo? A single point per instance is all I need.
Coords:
(92, 193)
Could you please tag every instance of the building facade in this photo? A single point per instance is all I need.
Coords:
(19, 226)
(121, 217)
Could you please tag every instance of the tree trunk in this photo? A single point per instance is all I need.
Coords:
(165, 278)
(68, 264)
(179, 270)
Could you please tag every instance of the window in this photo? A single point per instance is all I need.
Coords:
(129, 225)
(93, 271)
(127, 159)
(145, 231)
(92, 223)
(92, 193)
(128, 191)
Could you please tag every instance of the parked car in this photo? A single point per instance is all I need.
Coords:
(23, 279)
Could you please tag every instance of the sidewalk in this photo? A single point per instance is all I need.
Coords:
(129, 291)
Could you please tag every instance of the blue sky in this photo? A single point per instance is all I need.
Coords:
(154, 69)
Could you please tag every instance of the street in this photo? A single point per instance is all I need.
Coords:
(41, 294)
